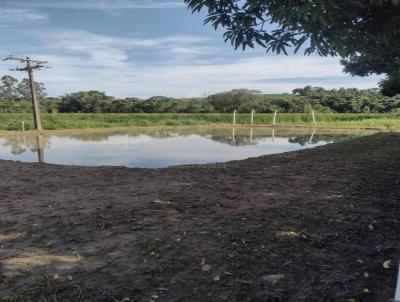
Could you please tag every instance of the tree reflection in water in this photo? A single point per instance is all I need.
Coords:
(237, 136)
(22, 143)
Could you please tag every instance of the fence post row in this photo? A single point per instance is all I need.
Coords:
(314, 120)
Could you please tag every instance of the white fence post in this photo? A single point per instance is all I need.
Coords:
(274, 118)
(252, 116)
(313, 118)
(23, 126)
(234, 117)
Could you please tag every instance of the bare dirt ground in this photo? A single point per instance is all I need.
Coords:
(321, 224)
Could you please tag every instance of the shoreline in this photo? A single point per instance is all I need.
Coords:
(210, 126)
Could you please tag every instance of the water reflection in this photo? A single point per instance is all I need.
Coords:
(40, 148)
(273, 135)
(312, 136)
(162, 147)
(21, 144)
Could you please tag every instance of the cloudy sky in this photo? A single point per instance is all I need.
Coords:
(147, 47)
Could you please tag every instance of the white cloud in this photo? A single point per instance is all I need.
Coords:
(181, 65)
(104, 50)
(69, 74)
(12, 16)
(99, 4)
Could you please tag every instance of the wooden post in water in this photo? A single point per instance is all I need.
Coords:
(40, 148)
(234, 117)
(233, 134)
(252, 116)
(313, 118)
(251, 135)
(274, 118)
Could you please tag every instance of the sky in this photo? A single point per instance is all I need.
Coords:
(143, 48)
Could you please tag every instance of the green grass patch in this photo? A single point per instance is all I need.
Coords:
(57, 121)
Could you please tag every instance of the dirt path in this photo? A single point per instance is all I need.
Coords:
(311, 225)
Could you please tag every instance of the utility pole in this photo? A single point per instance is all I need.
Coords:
(30, 66)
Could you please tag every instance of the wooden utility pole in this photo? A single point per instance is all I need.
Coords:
(30, 66)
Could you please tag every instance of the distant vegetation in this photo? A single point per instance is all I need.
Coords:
(14, 98)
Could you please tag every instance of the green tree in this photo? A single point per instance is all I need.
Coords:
(24, 90)
(8, 89)
(86, 101)
(364, 33)
(238, 99)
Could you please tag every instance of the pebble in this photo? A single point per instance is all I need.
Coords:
(206, 267)
(273, 278)
(387, 264)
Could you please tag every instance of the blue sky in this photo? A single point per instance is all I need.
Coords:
(148, 47)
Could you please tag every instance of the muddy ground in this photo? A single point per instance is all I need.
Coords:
(321, 224)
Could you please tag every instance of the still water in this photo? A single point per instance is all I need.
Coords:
(162, 147)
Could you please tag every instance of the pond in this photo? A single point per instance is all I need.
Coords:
(162, 147)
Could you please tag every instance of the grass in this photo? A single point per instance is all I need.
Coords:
(58, 121)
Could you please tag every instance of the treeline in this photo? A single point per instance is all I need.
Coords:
(14, 98)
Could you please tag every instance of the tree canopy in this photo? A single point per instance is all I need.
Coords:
(366, 34)
(11, 89)
(8, 89)
(15, 98)
(24, 91)
(243, 100)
